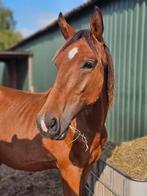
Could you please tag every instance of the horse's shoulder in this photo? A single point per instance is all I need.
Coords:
(2, 92)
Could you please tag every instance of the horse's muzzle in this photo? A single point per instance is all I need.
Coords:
(50, 128)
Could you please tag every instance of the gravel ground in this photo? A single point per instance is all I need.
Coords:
(20, 183)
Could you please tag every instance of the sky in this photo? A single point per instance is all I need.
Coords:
(32, 15)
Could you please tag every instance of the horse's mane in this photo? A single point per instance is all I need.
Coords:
(109, 67)
(110, 77)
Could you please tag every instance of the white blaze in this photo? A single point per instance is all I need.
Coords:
(72, 53)
(43, 126)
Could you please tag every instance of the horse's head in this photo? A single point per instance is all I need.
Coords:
(79, 82)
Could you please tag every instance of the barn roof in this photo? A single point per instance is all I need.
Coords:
(69, 15)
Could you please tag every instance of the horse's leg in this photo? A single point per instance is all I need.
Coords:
(71, 177)
(74, 180)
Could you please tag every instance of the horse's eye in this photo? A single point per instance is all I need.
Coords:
(89, 65)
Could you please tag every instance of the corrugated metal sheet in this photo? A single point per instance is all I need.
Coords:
(125, 30)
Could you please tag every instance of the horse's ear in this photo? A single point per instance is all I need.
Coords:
(96, 24)
(66, 30)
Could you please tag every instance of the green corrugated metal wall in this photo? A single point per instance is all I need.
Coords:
(125, 33)
(125, 30)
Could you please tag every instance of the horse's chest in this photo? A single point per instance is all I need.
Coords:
(25, 155)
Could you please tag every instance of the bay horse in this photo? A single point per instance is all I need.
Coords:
(64, 127)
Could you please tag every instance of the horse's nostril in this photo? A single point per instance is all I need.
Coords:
(52, 123)
(53, 126)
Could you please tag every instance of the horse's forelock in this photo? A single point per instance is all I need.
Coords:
(80, 34)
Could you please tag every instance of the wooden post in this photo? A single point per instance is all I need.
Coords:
(30, 78)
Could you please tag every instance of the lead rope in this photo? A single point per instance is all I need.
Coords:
(83, 137)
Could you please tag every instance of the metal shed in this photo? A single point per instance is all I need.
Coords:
(125, 33)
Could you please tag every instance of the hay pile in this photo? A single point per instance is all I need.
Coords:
(130, 157)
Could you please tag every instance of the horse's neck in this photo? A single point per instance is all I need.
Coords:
(21, 101)
(92, 118)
